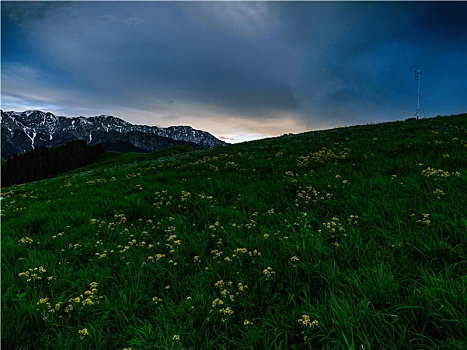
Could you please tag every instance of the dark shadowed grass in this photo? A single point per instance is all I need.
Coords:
(353, 238)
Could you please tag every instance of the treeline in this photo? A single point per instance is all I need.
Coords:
(43, 163)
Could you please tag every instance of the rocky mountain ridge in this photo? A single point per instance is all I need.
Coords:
(22, 131)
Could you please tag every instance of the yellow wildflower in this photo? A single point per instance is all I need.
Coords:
(216, 302)
(219, 283)
(306, 321)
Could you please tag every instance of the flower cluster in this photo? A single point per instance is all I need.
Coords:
(58, 234)
(439, 173)
(332, 226)
(226, 311)
(231, 165)
(25, 240)
(156, 300)
(132, 176)
(322, 155)
(425, 220)
(162, 199)
(269, 273)
(438, 193)
(310, 195)
(307, 322)
(353, 219)
(89, 297)
(83, 332)
(95, 182)
(207, 159)
(185, 196)
(293, 261)
(34, 274)
(335, 231)
(228, 292)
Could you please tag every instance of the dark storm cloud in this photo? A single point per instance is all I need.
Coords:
(362, 61)
(322, 63)
(157, 48)
(443, 21)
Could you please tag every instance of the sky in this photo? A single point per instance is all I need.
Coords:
(239, 70)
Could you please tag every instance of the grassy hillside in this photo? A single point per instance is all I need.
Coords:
(352, 238)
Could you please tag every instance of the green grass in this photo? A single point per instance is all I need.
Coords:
(352, 238)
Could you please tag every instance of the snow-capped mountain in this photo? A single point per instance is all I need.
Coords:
(22, 131)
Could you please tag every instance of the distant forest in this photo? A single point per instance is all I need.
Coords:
(43, 163)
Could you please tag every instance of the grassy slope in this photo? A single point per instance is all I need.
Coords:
(339, 239)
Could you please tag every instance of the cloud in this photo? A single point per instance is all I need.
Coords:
(360, 56)
(314, 64)
(110, 60)
(23, 82)
(108, 18)
(133, 21)
(250, 20)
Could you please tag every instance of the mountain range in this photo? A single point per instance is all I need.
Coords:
(22, 131)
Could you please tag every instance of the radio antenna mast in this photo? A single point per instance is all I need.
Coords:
(418, 74)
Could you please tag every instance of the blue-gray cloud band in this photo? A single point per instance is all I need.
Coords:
(343, 61)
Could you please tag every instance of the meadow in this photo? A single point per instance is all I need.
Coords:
(351, 238)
